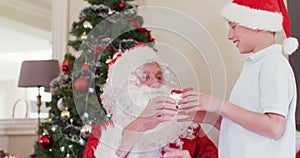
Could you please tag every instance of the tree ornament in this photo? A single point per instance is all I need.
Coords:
(68, 155)
(66, 63)
(81, 84)
(85, 115)
(65, 114)
(121, 5)
(87, 24)
(62, 149)
(85, 67)
(65, 66)
(54, 128)
(83, 36)
(64, 69)
(45, 141)
(86, 130)
(60, 104)
(110, 12)
(91, 90)
(82, 142)
(71, 146)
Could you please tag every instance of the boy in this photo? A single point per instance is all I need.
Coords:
(259, 118)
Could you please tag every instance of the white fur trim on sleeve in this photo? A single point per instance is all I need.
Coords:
(253, 18)
(109, 142)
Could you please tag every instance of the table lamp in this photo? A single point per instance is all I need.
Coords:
(38, 73)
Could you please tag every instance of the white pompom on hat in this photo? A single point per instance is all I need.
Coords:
(268, 15)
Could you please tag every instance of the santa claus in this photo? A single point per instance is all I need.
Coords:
(144, 114)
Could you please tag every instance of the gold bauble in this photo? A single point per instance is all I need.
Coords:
(65, 114)
(68, 155)
(84, 36)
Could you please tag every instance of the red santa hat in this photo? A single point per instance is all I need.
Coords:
(268, 15)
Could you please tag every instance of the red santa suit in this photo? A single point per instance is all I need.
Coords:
(199, 147)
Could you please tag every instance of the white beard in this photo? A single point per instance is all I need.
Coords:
(131, 102)
(130, 106)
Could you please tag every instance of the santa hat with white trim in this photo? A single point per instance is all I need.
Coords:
(268, 15)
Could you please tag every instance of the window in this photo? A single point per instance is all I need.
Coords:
(25, 29)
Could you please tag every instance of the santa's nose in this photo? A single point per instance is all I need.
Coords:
(154, 82)
(155, 85)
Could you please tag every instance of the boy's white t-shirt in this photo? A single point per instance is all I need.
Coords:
(266, 84)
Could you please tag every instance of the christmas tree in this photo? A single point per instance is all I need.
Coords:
(104, 29)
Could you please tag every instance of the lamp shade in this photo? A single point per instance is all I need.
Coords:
(38, 73)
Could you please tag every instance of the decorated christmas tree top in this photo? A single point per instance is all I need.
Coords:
(103, 30)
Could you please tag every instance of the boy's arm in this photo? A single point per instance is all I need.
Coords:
(269, 124)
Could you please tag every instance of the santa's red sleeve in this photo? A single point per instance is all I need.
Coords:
(206, 148)
(200, 147)
(93, 140)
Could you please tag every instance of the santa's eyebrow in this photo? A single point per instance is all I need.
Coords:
(146, 72)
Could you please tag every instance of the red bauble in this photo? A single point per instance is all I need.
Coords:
(121, 5)
(45, 141)
(85, 67)
(65, 69)
(81, 84)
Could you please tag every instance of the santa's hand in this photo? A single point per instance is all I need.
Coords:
(175, 153)
(158, 110)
